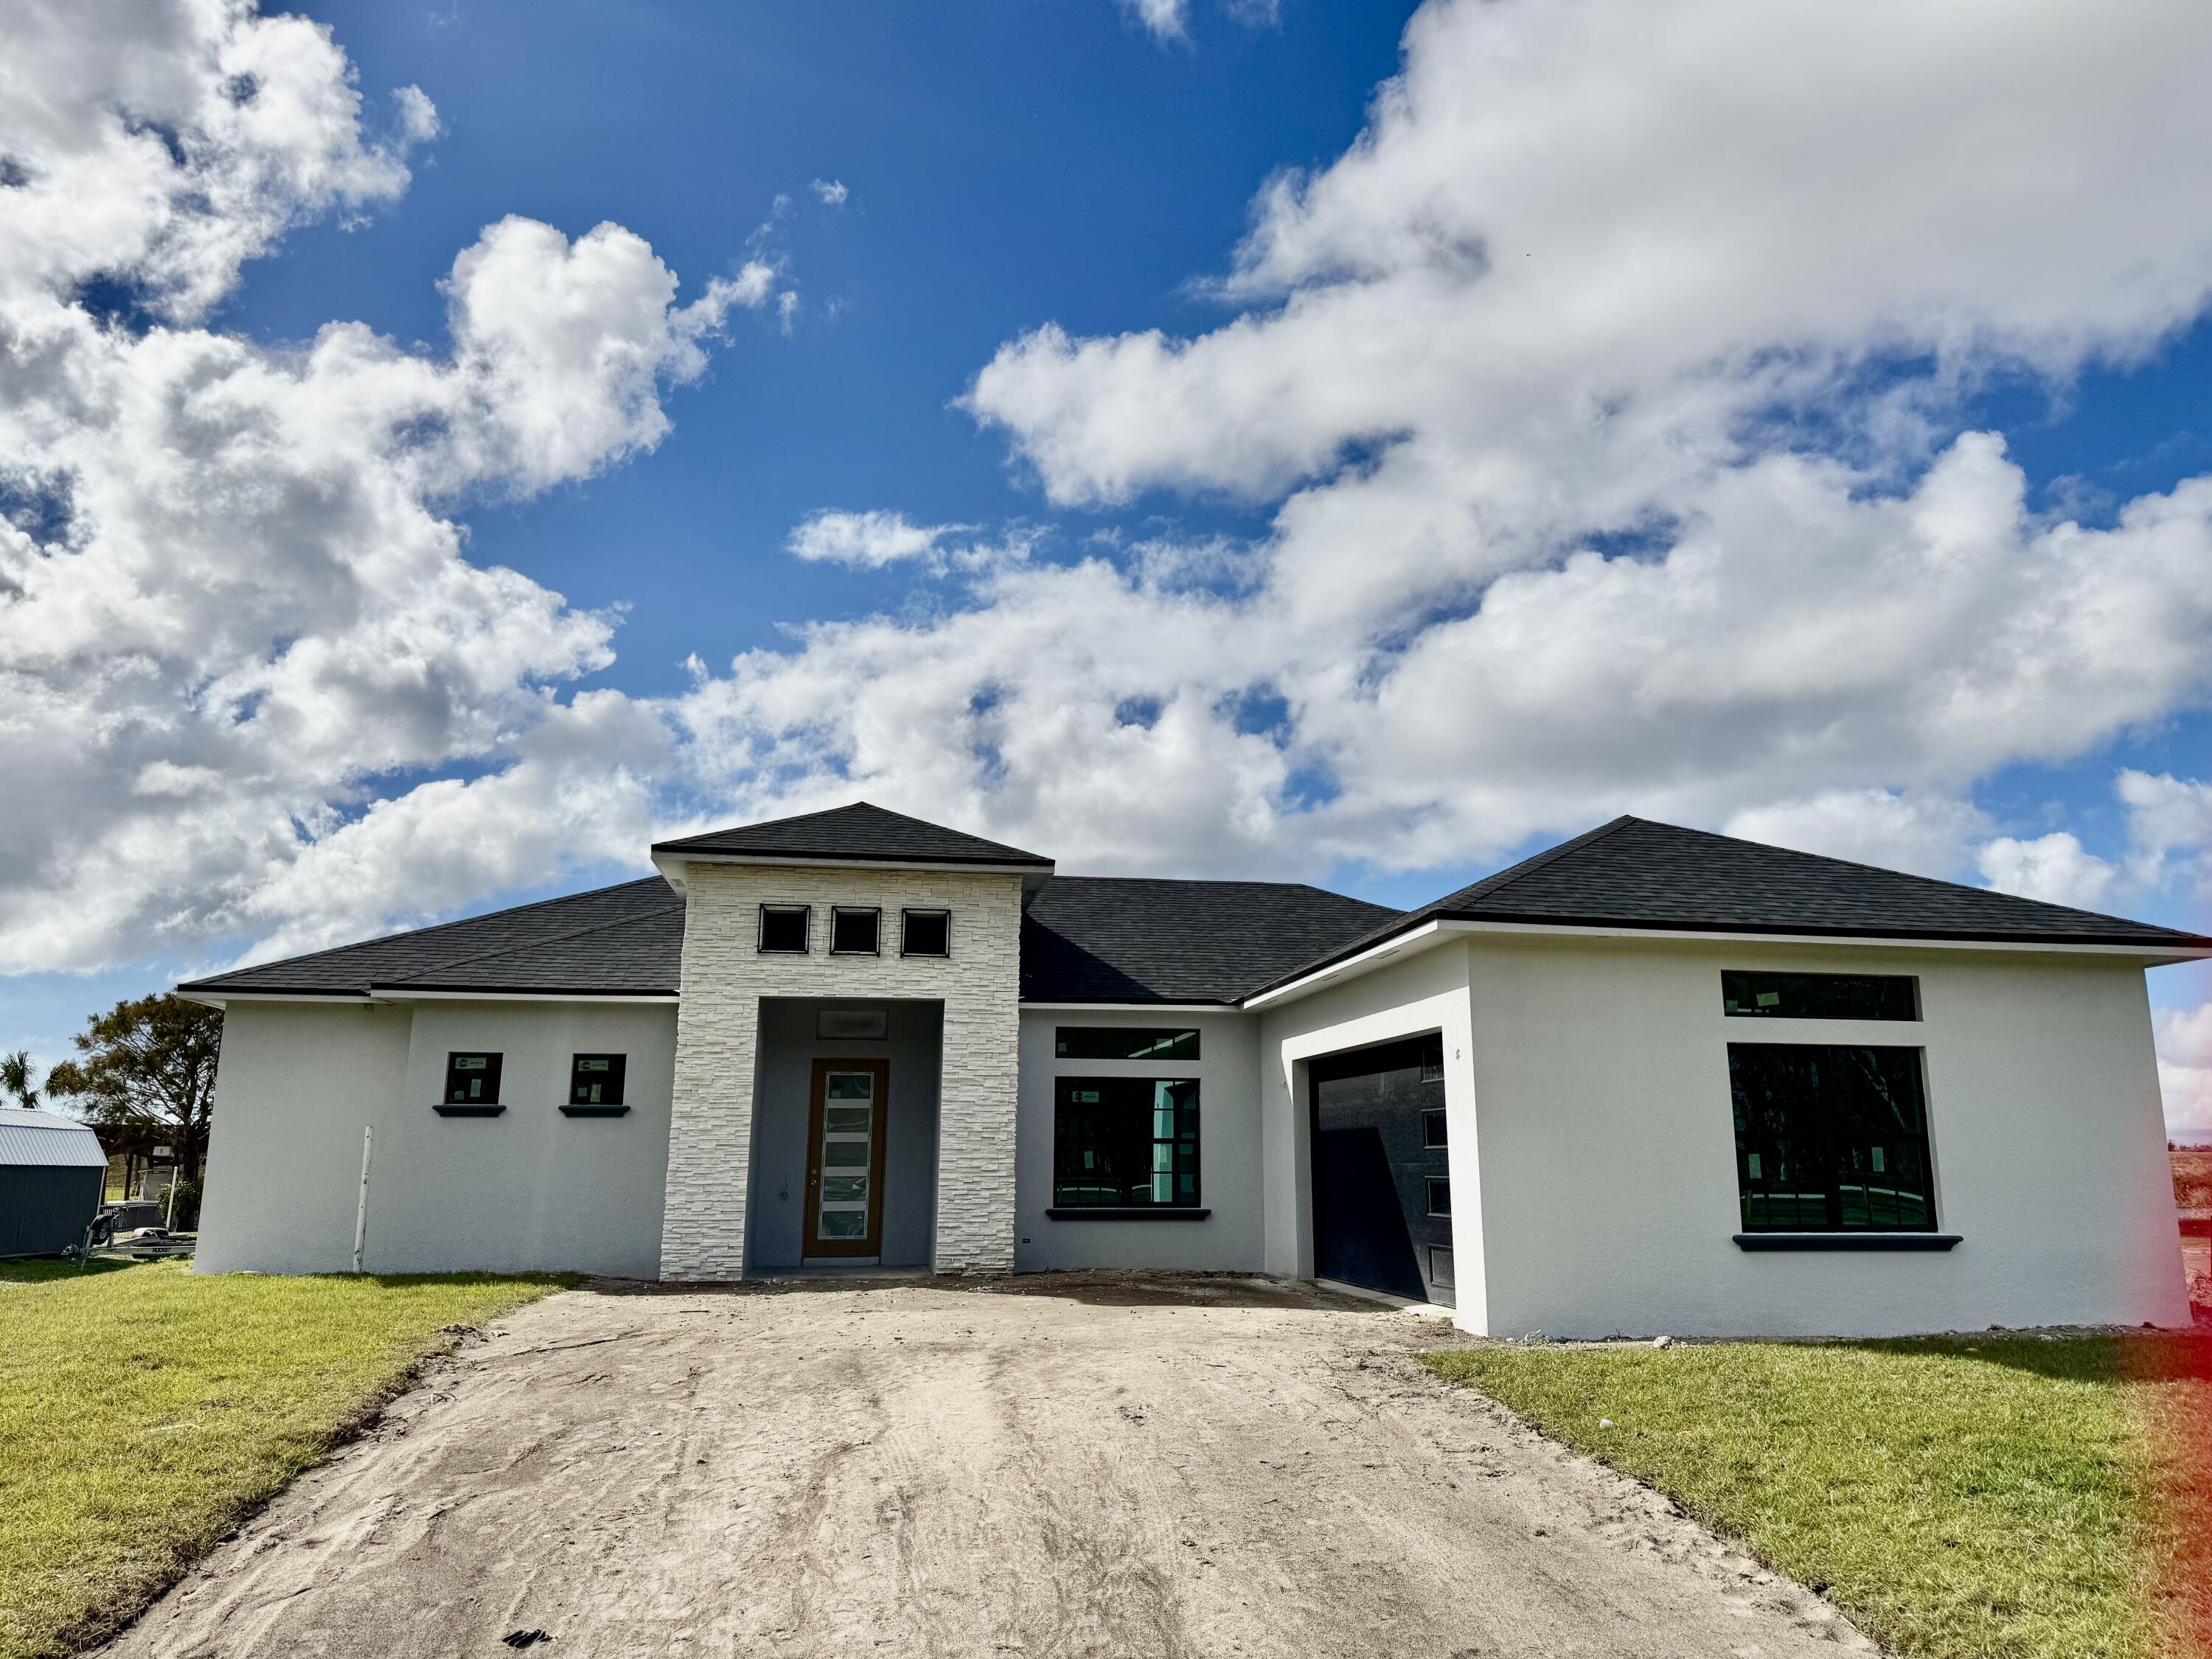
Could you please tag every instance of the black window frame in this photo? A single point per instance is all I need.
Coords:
(875, 915)
(1759, 994)
(1436, 1129)
(493, 1071)
(1182, 1046)
(906, 932)
(1785, 1168)
(1076, 1187)
(805, 915)
(1435, 1183)
(611, 1089)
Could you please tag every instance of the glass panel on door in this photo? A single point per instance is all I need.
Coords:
(848, 1112)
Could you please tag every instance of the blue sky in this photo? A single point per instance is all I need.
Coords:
(932, 187)
(1009, 164)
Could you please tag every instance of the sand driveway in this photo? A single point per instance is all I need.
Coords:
(1077, 1464)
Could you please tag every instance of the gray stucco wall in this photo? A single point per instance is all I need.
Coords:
(1603, 1100)
(1229, 1166)
(777, 1212)
(528, 1190)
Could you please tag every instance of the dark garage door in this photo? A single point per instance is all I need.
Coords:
(1382, 1187)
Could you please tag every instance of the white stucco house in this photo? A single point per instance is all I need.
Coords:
(1650, 1080)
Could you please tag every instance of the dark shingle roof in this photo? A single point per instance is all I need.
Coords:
(613, 941)
(1632, 872)
(859, 831)
(1094, 938)
(1105, 939)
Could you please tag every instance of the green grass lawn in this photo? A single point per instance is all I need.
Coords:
(1985, 1495)
(145, 1411)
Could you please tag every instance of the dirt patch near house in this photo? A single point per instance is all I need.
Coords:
(1069, 1464)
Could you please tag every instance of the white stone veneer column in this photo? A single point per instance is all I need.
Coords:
(717, 1030)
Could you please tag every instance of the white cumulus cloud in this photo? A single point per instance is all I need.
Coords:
(2184, 1070)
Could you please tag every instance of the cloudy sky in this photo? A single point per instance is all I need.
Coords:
(443, 447)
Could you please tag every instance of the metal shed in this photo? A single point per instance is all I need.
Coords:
(52, 1174)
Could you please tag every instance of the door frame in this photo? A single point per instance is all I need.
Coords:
(811, 1247)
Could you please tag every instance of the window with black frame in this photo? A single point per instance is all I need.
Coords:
(1125, 1043)
(1831, 1139)
(472, 1078)
(1124, 1143)
(596, 1079)
(1752, 995)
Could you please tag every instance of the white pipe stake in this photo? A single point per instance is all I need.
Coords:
(361, 1210)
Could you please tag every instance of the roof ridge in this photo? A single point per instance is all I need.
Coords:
(527, 944)
(427, 927)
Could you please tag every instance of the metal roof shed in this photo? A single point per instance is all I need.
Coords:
(52, 1174)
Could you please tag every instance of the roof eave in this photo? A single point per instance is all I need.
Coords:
(1432, 929)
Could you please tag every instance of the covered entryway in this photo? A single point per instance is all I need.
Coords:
(844, 1142)
(1382, 1175)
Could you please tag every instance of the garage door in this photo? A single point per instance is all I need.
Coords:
(1382, 1183)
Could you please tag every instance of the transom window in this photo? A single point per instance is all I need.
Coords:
(1124, 1143)
(924, 932)
(596, 1079)
(472, 1078)
(1831, 1139)
(1819, 996)
(855, 931)
(784, 929)
(1124, 1042)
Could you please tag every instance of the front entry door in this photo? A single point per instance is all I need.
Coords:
(845, 1159)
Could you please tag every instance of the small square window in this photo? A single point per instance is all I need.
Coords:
(1439, 1196)
(1432, 1128)
(854, 933)
(925, 933)
(596, 1079)
(784, 929)
(472, 1079)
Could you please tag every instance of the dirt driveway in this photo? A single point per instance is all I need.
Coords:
(1058, 1466)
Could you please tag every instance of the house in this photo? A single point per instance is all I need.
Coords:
(52, 1173)
(1650, 1080)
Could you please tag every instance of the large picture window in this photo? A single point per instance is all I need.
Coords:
(1831, 1140)
(1124, 1143)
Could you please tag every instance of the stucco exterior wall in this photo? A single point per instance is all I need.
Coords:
(782, 1111)
(528, 1190)
(1605, 1130)
(1230, 1184)
(725, 977)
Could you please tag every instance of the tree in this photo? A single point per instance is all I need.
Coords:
(147, 1064)
(16, 1078)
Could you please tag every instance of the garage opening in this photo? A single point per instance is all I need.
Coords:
(1382, 1175)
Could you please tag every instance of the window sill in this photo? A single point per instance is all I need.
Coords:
(1846, 1241)
(1133, 1213)
(594, 1111)
(467, 1109)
